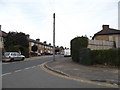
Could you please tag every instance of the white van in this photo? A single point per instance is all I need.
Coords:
(67, 53)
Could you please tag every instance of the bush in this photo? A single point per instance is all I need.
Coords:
(33, 54)
(109, 57)
(84, 57)
(77, 44)
(16, 42)
(81, 54)
(25, 51)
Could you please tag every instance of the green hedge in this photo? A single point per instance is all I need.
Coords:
(26, 52)
(109, 57)
(77, 44)
(84, 56)
(17, 41)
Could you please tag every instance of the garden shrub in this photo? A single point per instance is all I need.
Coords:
(84, 56)
(77, 44)
(109, 57)
(17, 42)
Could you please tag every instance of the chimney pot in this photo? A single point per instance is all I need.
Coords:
(38, 40)
(105, 27)
(28, 36)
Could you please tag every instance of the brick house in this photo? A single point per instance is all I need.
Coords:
(42, 47)
(108, 34)
(2, 35)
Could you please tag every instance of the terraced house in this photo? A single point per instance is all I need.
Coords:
(2, 35)
(43, 47)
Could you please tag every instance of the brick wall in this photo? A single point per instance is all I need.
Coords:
(117, 41)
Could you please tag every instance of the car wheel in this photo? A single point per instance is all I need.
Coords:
(12, 59)
(23, 58)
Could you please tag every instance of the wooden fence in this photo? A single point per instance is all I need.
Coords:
(100, 44)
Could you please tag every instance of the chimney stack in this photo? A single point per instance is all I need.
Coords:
(38, 40)
(105, 27)
(28, 36)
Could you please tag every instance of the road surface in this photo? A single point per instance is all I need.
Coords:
(29, 74)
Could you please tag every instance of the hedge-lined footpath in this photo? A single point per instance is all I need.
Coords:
(81, 54)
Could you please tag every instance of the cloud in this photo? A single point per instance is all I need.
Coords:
(73, 17)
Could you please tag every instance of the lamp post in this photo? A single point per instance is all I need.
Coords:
(53, 36)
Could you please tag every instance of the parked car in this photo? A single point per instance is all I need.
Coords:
(48, 53)
(39, 54)
(12, 56)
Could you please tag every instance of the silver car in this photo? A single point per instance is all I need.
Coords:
(11, 56)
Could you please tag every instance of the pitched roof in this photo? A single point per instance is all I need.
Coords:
(34, 41)
(2, 33)
(107, 31)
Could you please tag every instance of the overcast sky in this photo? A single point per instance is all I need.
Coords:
(73, 18)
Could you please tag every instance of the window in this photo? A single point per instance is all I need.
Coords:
(1, 39)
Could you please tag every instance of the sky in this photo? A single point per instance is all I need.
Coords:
(119, 15)
(73, 18)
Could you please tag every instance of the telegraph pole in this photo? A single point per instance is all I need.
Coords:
(53, 36)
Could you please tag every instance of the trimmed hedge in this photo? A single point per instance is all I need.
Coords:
(77, 44)
(84, 56)
(109, 57)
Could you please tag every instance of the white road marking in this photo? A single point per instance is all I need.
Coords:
(6, 74)
(27, 68)
(33, 66)
(18, 71)
(38, 65)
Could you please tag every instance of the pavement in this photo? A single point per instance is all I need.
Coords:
(67, 67)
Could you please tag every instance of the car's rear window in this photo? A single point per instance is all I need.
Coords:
(13, 54)
(6, 54)
(10, 53)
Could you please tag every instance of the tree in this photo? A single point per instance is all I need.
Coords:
(61, 47)
(34, 48)
(57, 49)
(15, 41)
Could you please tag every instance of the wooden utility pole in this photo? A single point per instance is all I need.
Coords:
(54, 37)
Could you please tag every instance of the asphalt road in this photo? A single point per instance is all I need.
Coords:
(28, 74)
(18, 65)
